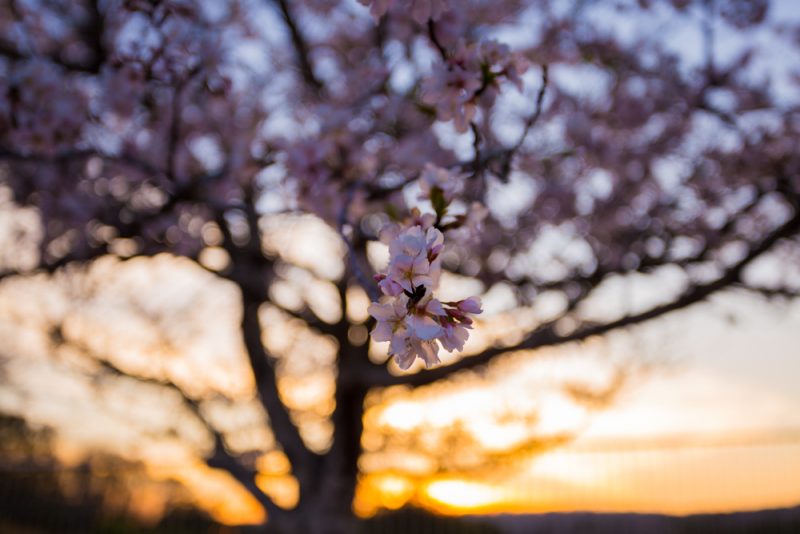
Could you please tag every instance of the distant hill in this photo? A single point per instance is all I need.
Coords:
(780, 521)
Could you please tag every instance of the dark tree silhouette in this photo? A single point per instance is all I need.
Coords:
(587, 152)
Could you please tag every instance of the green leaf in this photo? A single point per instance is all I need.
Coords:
(391, 211)
(438, 201)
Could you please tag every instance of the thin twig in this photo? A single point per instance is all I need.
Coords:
(476, 144)
(549, 337)
(365, 281)
(300, 46)
(219, 458)
(531, 122)
(78, 154)
(435, 40)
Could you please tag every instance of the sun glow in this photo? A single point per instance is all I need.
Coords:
(452, 495)
(387, 490)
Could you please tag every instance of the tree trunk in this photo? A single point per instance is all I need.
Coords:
(330, 510)
(329, 507)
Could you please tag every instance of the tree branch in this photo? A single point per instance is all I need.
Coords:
(92, 32)
(251, 275)
(530, 122)
(220, 458)
(13, 54)
(364, 281)
(646, 264)
(302, 459)
(435, 40)
(548, 336)
(771, 292)
(66, 156)
(301, 47)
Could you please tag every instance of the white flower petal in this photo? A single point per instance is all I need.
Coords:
(423, 326)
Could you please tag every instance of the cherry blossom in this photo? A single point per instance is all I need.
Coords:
(141, 128)
(408, 315)
(451, 90)
(447, 182)
(411, 326)
(471, 73)
(415, 260)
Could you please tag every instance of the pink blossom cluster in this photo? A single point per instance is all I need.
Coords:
(473, 72)
(441, 187)
(434, 177)
(408, 315)
(421, 10)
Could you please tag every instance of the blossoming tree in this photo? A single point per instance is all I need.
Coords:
(466, 137)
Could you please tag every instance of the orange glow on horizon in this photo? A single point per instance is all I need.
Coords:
(693, 480)
(214, 491)
(485, 417)
(455, 495)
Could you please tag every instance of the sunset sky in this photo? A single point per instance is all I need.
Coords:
(707, 419)
(694, 412)
(714, 428)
